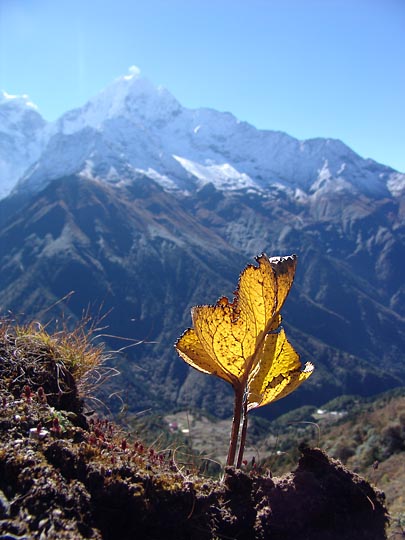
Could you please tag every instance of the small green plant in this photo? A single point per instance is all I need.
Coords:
(243, 343)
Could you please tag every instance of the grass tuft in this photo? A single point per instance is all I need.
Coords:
(68, 364)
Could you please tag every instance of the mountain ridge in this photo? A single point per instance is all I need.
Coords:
(147, 215)
(149, 257)
(144, 129)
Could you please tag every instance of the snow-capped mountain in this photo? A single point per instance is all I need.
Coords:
(147, 208)
(133, 128)
(22, 138)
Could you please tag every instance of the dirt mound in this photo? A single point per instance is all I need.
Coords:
(64, 478)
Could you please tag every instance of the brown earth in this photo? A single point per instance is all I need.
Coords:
(65, 477)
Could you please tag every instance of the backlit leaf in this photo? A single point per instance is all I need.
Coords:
(191, 350)
(278, 371)
(227, 336)
(243, 343)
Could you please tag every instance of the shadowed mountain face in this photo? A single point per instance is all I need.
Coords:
(148, 255)
(145, 208)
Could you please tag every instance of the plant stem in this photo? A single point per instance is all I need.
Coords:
(243, 434)
(237, 412)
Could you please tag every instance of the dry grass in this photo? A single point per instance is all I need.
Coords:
(31, 356)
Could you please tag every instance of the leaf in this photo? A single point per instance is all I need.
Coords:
(227, 338)
(278, 372)
(263, 289)
(191, 350)
(225, 335)
(243, 343)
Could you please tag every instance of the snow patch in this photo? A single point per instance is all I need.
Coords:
(300, 195)
(324, 173)
(396, 184)
(23, 100)
(161, 179)
(87, 171)
(223, 176)
(341, 168)
(131, 97)
(134, 73)
(112, 174)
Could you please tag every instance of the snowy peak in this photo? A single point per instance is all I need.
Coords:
(131, 96)
(18, 112)
(135, 128)
(16, 101)
(22, 138)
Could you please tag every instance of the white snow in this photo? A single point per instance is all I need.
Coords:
(22, 138)
(396, 184)
(324, 173)
(223, 176)
(341, 168)
(88, 170)
(300, 195)
(112, 174)
(134, 73)
(131, 96)
(22, 100)
(161, 179)
(133, 125)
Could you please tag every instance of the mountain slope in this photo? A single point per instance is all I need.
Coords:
(132, 250)
(147, 208)
(149, 256)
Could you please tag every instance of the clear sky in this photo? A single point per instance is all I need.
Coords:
(311, 68)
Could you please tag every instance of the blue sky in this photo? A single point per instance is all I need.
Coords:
(311, 68)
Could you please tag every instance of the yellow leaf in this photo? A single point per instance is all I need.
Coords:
(242, 342)
(190, 349)
(228, 337)
(263, 289)
(277, 373)
(225, 336)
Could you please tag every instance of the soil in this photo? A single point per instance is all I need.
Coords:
(64, 476)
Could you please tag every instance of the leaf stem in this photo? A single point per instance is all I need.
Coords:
(243, 433)
(237, 413)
